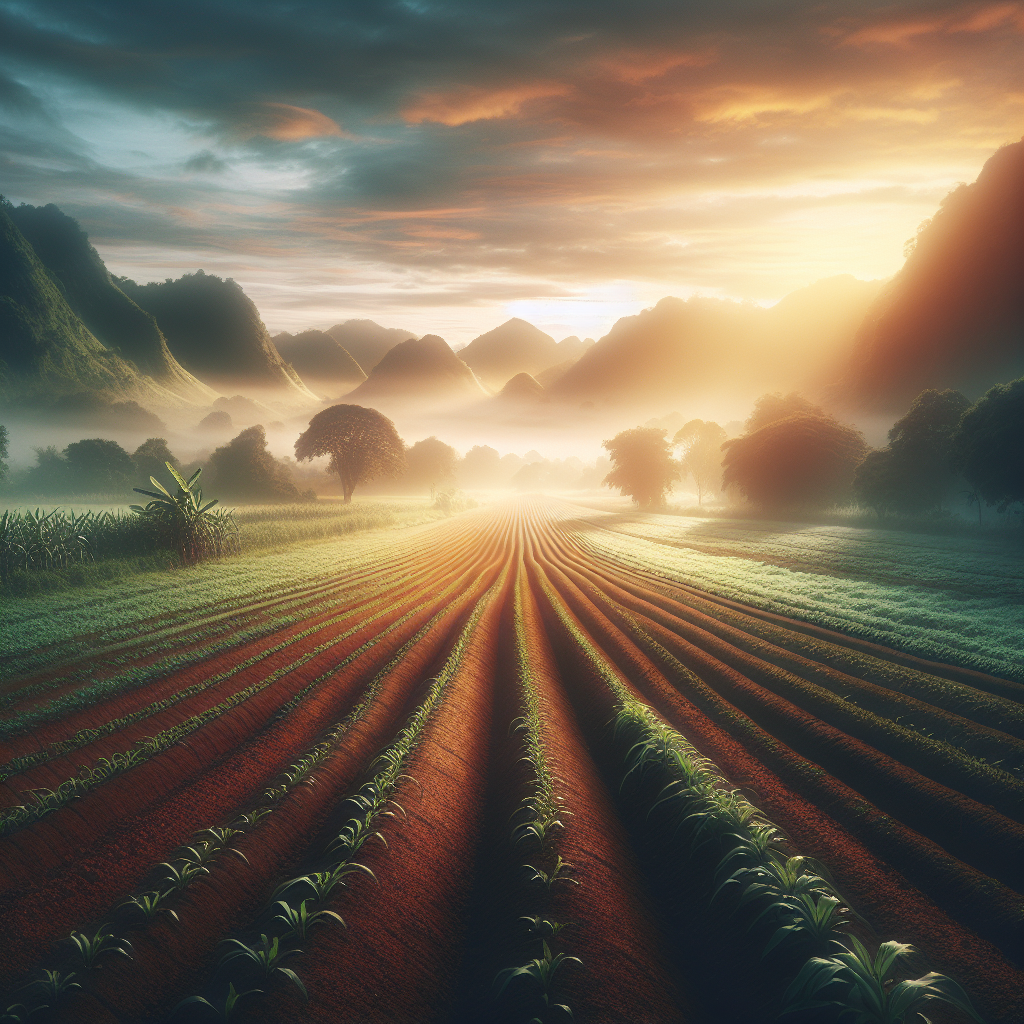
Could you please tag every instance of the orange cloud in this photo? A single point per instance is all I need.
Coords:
(427, 231)
(636, 66)
(286, 123)
(981, 19)
(461, 106)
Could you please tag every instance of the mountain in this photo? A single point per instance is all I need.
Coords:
(682, 350)
(571, 348)
(367, 342)
(953, 317)
(514, 347)
(45, 349)
(422, 372)
(320, 361)
(521, 388)
(113, 318)
(214, 330)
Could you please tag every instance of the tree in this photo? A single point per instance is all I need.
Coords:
(98, 466)
(913, 472)
(244, 469)
(642, 465)
(49, 476)
(481, 467)
(803, 461)
(151, 458)
(988, 448)
(362, 445)
(701, 454)
(3, 451)
(773, 407)
(431, 462)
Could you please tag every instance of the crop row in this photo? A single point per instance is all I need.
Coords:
(149, 676)
(402, 658)
(713, 829)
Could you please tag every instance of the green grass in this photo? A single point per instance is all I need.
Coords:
(261, 528)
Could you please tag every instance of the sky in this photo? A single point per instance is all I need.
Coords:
(442, 166)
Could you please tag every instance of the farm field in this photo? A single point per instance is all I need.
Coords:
(526, 760)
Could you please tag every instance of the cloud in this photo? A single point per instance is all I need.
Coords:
(733, 147)
(462, 106)
(284, 122)
(205, 162)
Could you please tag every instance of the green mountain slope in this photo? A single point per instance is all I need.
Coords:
(45, 349)
(113, 318)
(215, 331)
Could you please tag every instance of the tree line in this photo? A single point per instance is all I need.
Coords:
(793, 455)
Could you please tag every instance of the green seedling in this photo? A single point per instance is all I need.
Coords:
(226, 1010)
(181, 877)
(864, 986)
(91, 947)
(559, 873)
(540, 971)
(148, 904)
(55, 985)
(266, 957)
(251, 819)
(323, 883)
(300, 921)
(541, 928)
(815, 916)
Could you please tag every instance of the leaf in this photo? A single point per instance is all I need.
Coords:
(289, 973)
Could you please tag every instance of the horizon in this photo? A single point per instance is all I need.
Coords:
(443, 169)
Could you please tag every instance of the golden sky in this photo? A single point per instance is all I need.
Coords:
(443, 166)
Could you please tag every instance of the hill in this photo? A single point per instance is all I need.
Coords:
(681, 350)
(514, 347)
(320, 361)
(110, 315)
(214, 330)
(521, 388)
(367, 342)
(424, 372)
(45, 349)
(953, 317)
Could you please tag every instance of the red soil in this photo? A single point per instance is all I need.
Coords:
(421, 947)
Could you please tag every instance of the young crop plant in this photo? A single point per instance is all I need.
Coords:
(558, 873)
(286, 914)
(700, 806)
(300, 921)
(536, 821)
(265, 959)
(540, 974)
(89, 948)
(540, 811)
(149, 904)
(852, 983)
(227, 1007)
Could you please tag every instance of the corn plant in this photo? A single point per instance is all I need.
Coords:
(148, 904)
(558, 873)
(855, 983)
(180, 876)
(300, 921)
(321, 884)
(266, 958)
(541, 973)
(189, 527)
(89, 948)
(53, 985)
(227, 1008)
